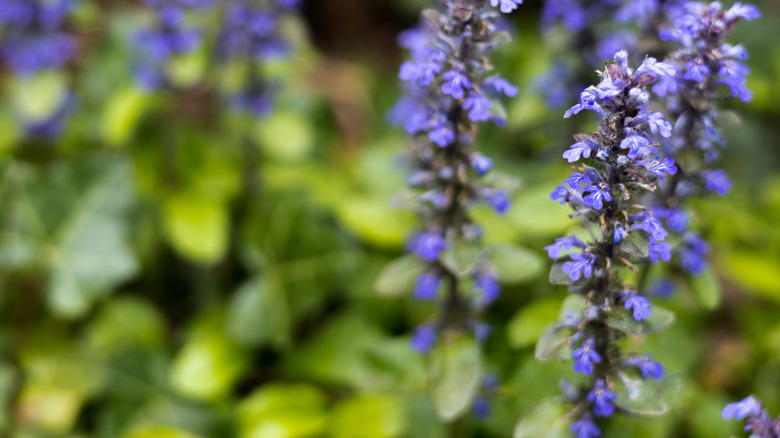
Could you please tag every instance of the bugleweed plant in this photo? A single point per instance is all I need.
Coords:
(450, 86)
(615, 166)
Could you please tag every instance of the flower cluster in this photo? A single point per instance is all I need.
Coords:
(33, 40)
(169, 37)
(759, 423)
(450, 90)
(249, 36)
(708, 71)
(616, 166)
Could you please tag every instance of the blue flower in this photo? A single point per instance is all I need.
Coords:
(424, 338)
(428, 246)
(507, 6)
(563, 243)
(585, 428)
(647, 366)
(657, 123)
(693, 253)
(580, 149)
(716, 181)
(602, 399)
(584, 357)
(638, 303)
(481, 330)
(582, 264)
(427, 285)
(500, 85)
(620, 232)
(748, 12)
(650, 225)
(634, 143)
(456, 84)
(443, 135)
(580, 177)
(747, 407)
(658, 167)
(487, 284)
(497, 199)
(478, 106)
(656, 69)
(481, 408)
(696, 70)
(598, 193)
(480, 163)
(660, 250)
(560, 192)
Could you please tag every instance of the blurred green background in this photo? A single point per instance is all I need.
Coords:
(173, 269)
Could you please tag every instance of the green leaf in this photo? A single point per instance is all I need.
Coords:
(514, 264)
(187, 70)
(398, 277)
(623, 320)
(368, 416)
(121, 115)
(258, 313)
(282, 410)
(756, 271)
(36, 98)
(645, 397)
(705, 289)
(373, 220)
(529, 323)
(456, 372)
(548, 218)
(77, 232)
(197, 226)
(125, 323)
(557, 276)
(156, 431)
(548, 419)
(208, 366)
(572, 303)
(460, 259)
(286, 136)
(636, 244)
(554, 343)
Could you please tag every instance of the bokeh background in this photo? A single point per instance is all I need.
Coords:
(172, 269)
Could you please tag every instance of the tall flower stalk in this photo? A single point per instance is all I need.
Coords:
(451, 89)
(709, 71)
(615, 166)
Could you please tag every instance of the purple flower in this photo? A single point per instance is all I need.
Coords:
(427, 285)
(696, 70)
(580, 149)
(487, 284)
(650, 225)
(639, 304)
(478, 107)
(424, 338)
(582, 264)
(584, 357)
(443, 135)
(585, 428)
(480, 163)
(660, 250)
(656, 69)
(560, 192)
(657, 123)
(427, 246)
(497, 199)
(647, 367)
(634, 143)
(716, 181)
(563, 243)
(747, 407)
(620, 232)
(657, 166)
(693, 253)
(500, 85)
(602, 399)
(481, 408)
(748, 12)
(456, 83)
(507, 6)
(598, 193)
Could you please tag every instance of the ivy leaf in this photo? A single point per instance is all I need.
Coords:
(456, 371)
(636, 244)
(77, 233)
(398, 277)
(547, 419)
